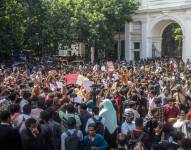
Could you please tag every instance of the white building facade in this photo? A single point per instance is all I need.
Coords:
(143, 36)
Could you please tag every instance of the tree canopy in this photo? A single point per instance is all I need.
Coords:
(42, 25)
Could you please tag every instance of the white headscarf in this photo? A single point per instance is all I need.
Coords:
(109, 113)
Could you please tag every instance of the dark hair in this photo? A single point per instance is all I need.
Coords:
(186, 144)
(51, 111)
(40, 103)
(92, 125)
(70, 108)
(29, 122)
(27, 109)
(95, 110)
(35, 98)
(46, 89)
(49, 103)
(45, 115)
(139, 122)
(59, 94)
(26, 95)
(176, 135)
(54, 115)
(71, 122)
(12, 96)
(13, 108)
(31, 83)
(134, 98)
(83, 106)
(167, 128)
(153, 92)
(142, 93)
(4, 116)
(153, 111)
(157, 100)
(121, 139)
(172, 99)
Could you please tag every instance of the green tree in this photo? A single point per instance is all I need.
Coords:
(41, 25)
(98, 20)
(179, 38)
(12, 25)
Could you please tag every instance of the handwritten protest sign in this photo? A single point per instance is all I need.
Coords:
(147, 68)
(80, 79)
(110, 66)
(59, 85)
(87, 85)
(52, 87)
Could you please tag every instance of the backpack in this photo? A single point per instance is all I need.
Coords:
(133, 141)
(99, 125)
(72, 141)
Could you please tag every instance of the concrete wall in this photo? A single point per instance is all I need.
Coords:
(153, 4)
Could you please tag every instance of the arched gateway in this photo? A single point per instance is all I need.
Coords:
(158, 26)
(144, 35)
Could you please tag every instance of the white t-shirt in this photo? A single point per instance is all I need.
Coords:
(126, 127)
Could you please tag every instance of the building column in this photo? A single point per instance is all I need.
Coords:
(119, 47)
(146, 46)
(144, 39)
(186, 52)
(128, 44)
(144, 3)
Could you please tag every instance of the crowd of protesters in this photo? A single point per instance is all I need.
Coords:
(135, 106)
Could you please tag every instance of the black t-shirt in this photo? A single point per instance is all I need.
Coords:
(165, 145)
(120, 149)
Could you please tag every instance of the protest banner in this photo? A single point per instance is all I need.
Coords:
(71, 78)
(110, 66)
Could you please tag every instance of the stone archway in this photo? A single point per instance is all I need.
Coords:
(149, 33)
(157, 28)
(170, 46)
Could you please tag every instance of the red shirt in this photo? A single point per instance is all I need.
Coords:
(189, 115)
(170, 68)
(170, 111)
(118, 102)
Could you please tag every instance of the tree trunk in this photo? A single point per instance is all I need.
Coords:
(179, 48)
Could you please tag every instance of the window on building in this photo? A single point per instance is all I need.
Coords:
(136, 55)
(122, 49)
(121, 29)
(137, 45)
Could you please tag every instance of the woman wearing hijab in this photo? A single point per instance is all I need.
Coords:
(108, 112)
